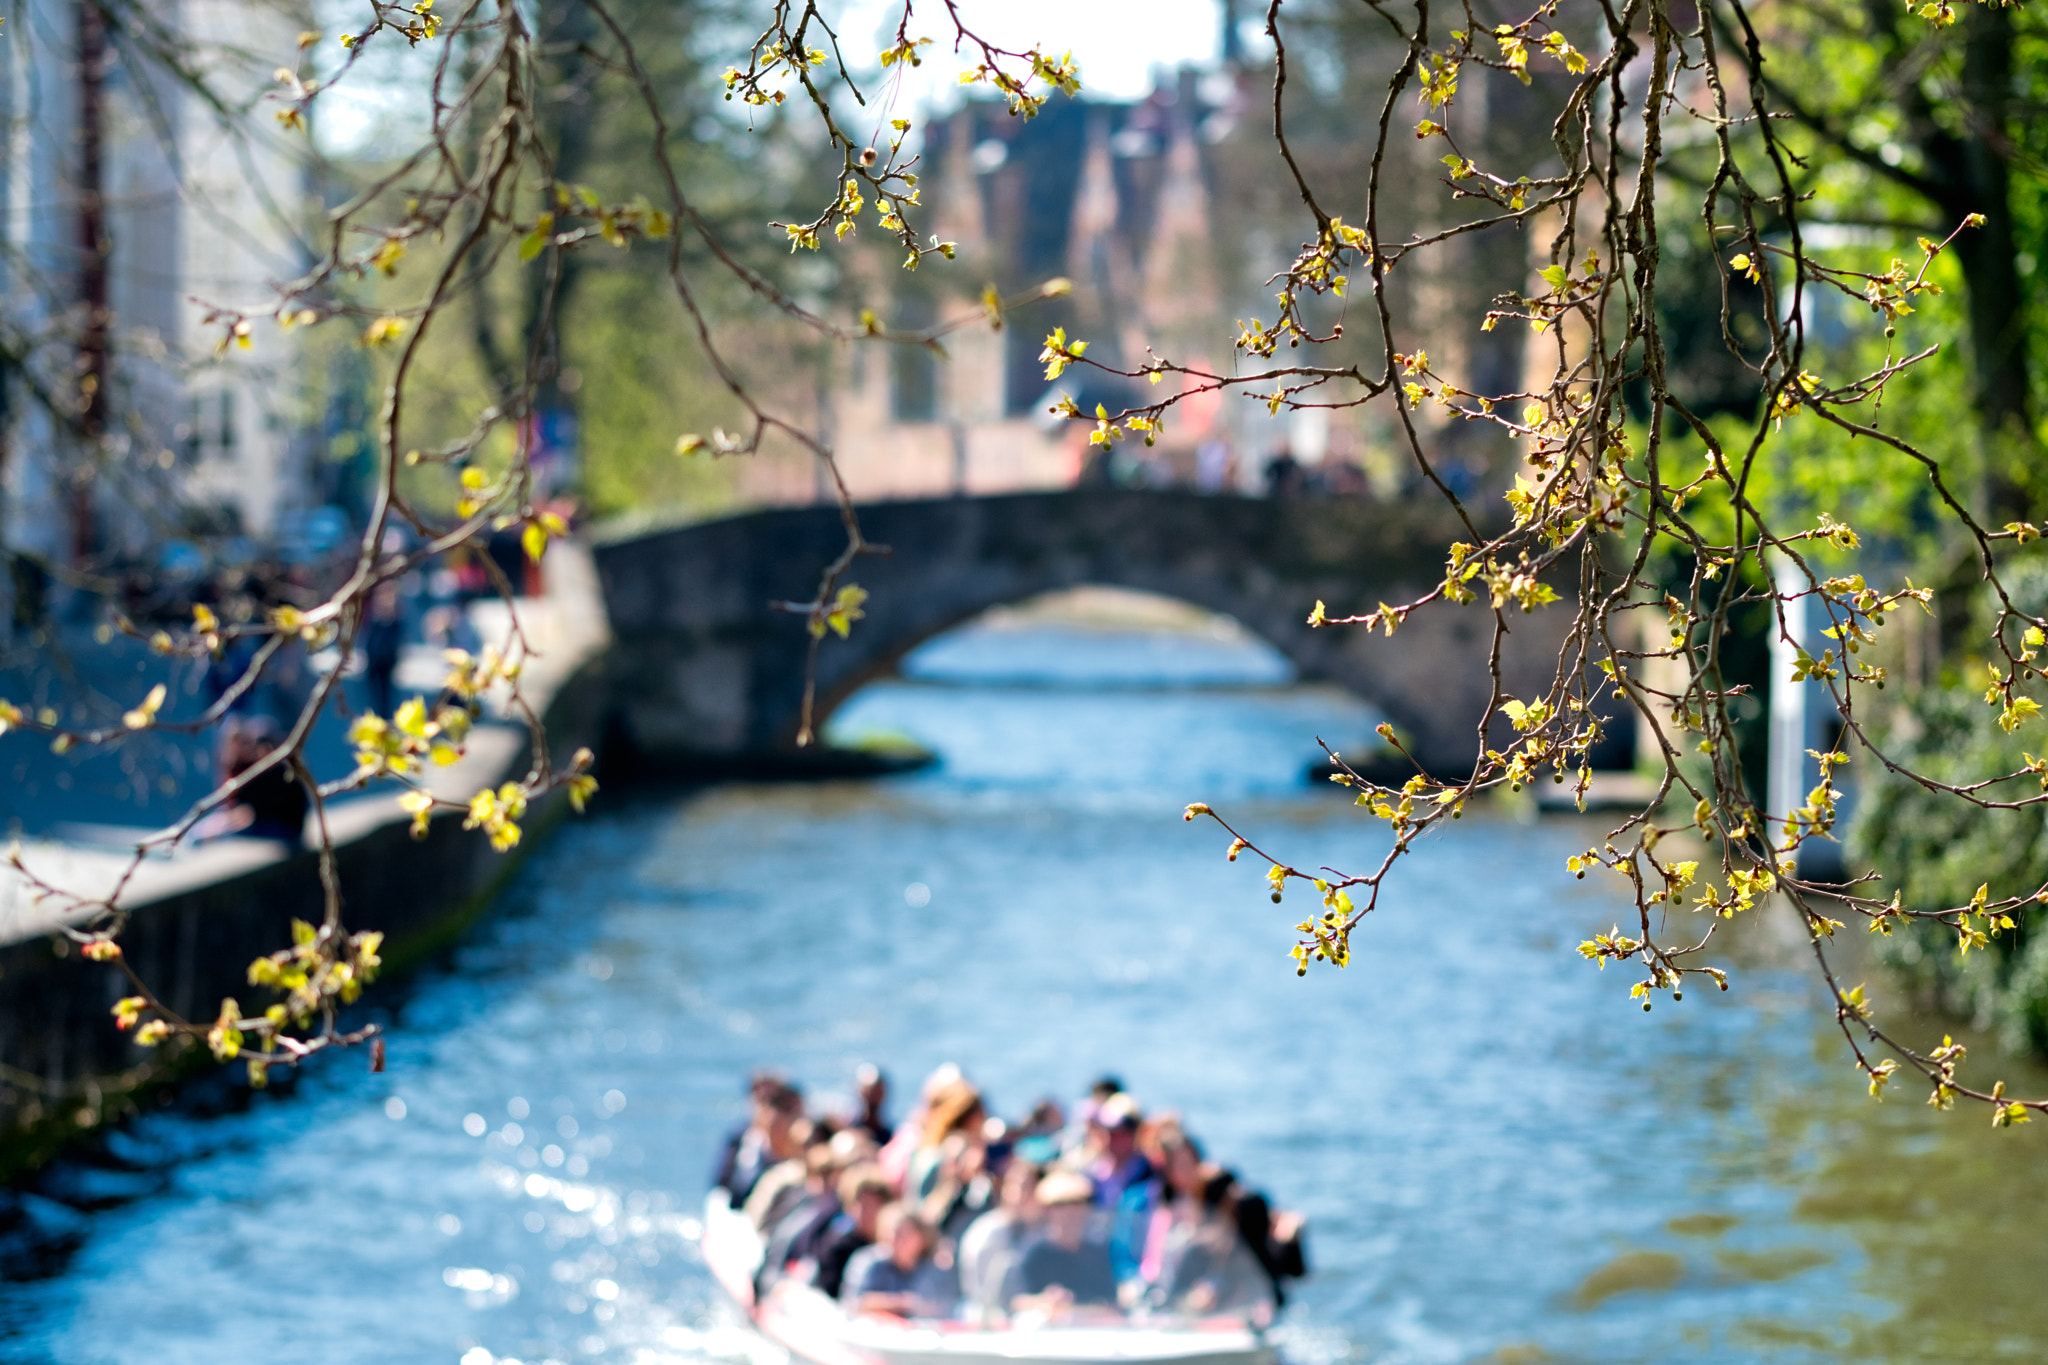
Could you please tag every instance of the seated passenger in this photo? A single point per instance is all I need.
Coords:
(874, 1096)
(966, 1186)
(1038, 1137)
(763, 1141)
(952, 1122)
(782, 1185)
(1125, 1183)
(1181, 1180)
(1277, 1241)
(994, 1243)
(909, 1134)
(795, 1234)
(1064, 1269)
(1081, 1141)
(863, 1193)
(1118, 1163)
(1208, 1268)
(897, 1274)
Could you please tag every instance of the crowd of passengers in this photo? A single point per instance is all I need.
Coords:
(955, 1213)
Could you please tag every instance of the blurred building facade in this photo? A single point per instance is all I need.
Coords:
(132, 206)
(1172, 215)
(1112, 196)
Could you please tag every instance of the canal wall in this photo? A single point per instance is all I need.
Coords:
(199, 918)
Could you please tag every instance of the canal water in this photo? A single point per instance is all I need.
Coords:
(1501, 1157)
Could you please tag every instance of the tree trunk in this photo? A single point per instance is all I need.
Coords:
(1980, 182)
(566, 92)
(92, 264)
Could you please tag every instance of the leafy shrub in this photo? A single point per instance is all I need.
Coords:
(1941, 850)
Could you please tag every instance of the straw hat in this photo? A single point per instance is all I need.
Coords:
(1066, 1187)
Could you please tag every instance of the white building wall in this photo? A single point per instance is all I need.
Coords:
(40, 123)
(238, 242)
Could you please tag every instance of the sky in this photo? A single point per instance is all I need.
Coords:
(1117, 43)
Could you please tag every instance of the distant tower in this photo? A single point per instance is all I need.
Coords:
(1182, 300)
(960, 216)
(1096, 259)
(971, 384)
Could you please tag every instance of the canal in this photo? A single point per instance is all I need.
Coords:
(1501, 1157)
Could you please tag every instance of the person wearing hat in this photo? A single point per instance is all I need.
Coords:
(1065, 1269)
(1125, 1183)
(956, 1111)
(1120, 1164)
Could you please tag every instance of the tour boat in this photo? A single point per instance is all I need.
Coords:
(818, 1329)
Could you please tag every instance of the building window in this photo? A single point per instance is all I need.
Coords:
(191, 432)
(914, 370)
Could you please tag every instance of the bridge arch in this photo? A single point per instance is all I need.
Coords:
(705, 675)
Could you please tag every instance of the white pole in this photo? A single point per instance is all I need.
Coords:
(1792, 773)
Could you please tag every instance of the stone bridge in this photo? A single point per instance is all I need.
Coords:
(706, 677)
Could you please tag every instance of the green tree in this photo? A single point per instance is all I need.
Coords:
(1941, 122)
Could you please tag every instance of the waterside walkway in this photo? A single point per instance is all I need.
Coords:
(202, 912)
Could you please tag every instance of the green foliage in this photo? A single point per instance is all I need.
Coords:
(1815, 466)
(1936, 850)
(1935, 118)
(643, 381)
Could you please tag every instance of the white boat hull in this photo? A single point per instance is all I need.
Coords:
(818, 1329)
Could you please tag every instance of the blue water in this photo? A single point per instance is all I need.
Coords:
(1501, 1157)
